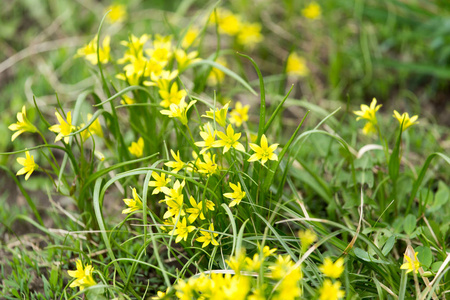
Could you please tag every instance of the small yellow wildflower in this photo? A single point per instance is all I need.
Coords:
(217, 76)
(83, 276)
(218, 115)
(368, 113)
(179, 111)
(208, 237)
(137, 149)
(239, 114)
(176, 165)
(253, 264)
(237, 262)
(250, 35)
(229, 140)
(369, 129)
(64, 128)
(89, 52)
(94, 128)
(135, 48)
(407, 120)
(117, 14)
(138, 68)
(159, 182)
(208, 135)
(330, 269)
(312, 11)
(161, 295)
(162, 48)
(412, 264)
(162, 79)
(229, 23)
(29, 166)
(263, 152)
(185, 59)
(268, 252)
(209, 165)
(330, 290)
(174, 96)
(307, 237)
(174, 199)
(296, 65)
(237, 194)
(190, 38)
(282, 267)
(127, 100)
(182, 230)
(196, 210)
(133, 204)
(22, 125)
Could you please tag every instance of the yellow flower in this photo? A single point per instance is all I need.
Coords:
(296, 65)
(208, 135)
(127, 100)
(263, 152)
(237, 194)
(282, 267)
(217, 76)
(411, 264)
(195, 211)
(330, 269)
(208, 237)
(250, 35)
(369, 129)
(133, 204)
(239, 114)
(135, 48)
(29, 166)
(408, 121)
(312, 11)
(190, 38)
(253, 264)
(209, 165)
(179, 111)
(307, 237)
(118, 13)
(174, 96)
(178, 164)
(229, 140)
(219, 115)
(184, 59)
(137, 68)
(89, 52)
(368, 113)
(161, 79)
(331, 291)
(228, 22)
(174, 199)
(137, 149)
(160, 295)
(182, 230)
(22, 125)
(237, 262)
(64, 128)
(160, 181)
(268, 252)
(162, 48)
(83, 276)
(94, 128)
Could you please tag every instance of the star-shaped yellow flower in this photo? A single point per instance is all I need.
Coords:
(330, 290)
(330, 269)
(229, 140)
(64, 128)
(237, 194)
(178, 164)
(208, 135)
(208, 237)
(312, 11)
(263, 152)
(83, 276)
(137, 149)
(89, 52)
(29, 166)
(218, 115)
(239, 114)
(408, 121)
(159, 182)
(22, 125)
(367, 112)
(133, 204)
(411, 265)
(182, 230)
(174, 96)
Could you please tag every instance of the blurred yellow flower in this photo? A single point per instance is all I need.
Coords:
(161, 79)
(228, 22)
(184, 59)
(126, 100)
(133, 204)
(217, 76)
(330, 269)
(174, 96)
(135, 48)
(218, 115)
(22, 125)
(282, 267)
(137, 149)
(29, 166)
(179, 111)
(267, 251)
(250, 35)
(312, 11)
(368, 113)
(64, 128)
(89, 52)
(296, 65)
(263, 152)
(159, 182)
(208, 237)
(239, 114)
(182, 230)
(83, 276)
(369, 128)
(408, 121)
(161, 295)
(229, 140)
(411, 264)
(190, 38)
(307, 237)
(94, 128)
(176, 165)
(118, 13)
(162, 49)
(330, 290)
(237, 195)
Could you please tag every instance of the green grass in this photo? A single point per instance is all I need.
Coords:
(369, 199)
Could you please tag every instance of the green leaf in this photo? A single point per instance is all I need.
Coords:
(388, 245)
(410, 224)
(424, 256)
(361, 254)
